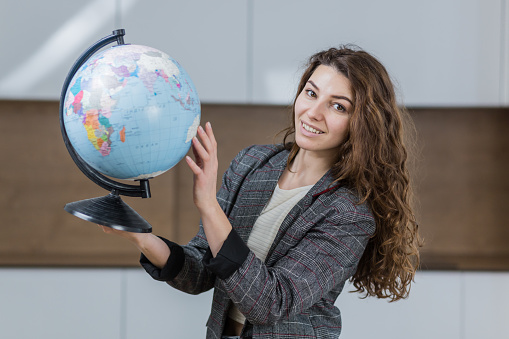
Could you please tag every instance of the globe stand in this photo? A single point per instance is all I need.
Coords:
(109, 210)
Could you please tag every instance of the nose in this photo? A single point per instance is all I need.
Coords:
(315, 112)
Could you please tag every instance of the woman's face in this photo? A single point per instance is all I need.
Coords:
(322, 112)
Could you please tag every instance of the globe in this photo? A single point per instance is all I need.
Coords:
(131, 111)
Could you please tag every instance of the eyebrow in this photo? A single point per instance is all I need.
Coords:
(334, 96)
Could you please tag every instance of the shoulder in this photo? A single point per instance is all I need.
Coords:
(256, 156)
(341, 205)
(251, 160)
(262, 152)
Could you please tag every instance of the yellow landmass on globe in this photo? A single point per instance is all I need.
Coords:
(91, 125)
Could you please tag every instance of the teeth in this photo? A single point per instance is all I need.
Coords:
(310, 129)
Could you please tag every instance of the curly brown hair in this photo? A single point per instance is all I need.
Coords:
(373, 163)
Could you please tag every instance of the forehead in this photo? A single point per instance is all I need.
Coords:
(330, 77)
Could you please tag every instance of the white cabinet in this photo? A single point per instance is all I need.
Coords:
(170, 313)
(208, 38)
(61, 303)
(433, 310)
(40, 41)
(441, 53)
(127, 304)
(486, 305)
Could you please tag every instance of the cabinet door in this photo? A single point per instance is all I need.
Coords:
(432, 310)
(41, 40)
(61, 303)
(208, 38)
(170, 313)
(486, 305)
(439, 52)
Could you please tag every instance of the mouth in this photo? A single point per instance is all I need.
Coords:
(310, 129)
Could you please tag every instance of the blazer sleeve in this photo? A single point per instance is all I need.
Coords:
(184, 269)
(321, 261)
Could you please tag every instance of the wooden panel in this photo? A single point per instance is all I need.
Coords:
(462, 187)
(38, 177)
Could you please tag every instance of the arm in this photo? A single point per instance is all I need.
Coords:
(313, 270)
(150, 245)
(205, 170)
(317, 254)
(215, 223)
(184, 269)
(181, 266)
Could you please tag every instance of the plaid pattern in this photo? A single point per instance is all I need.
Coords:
(318, 247)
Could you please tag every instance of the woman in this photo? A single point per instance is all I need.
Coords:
(292, 223)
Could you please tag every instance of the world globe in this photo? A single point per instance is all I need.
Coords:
(131, 111)
(127, 112)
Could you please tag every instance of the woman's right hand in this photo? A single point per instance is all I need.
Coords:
(135, 238)
(150, 245)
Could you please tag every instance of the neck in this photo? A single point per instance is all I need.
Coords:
(311, 162)
(306, 169)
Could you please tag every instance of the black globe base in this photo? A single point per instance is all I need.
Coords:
(109, 211)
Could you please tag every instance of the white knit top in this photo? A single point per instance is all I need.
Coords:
(267, 225)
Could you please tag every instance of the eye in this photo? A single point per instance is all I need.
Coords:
(339, 107)
(311, 93)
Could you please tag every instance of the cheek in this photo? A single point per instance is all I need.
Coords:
(298, 108)
(301, 105)
(341, 127)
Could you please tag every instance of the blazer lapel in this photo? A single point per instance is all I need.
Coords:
(292, 219)
(255, 193)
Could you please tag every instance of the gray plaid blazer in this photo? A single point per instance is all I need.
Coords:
(317, 248)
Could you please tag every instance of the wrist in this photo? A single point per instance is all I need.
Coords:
(210, 208)
(141, 240)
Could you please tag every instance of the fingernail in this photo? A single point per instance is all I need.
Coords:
(201, 128)
(209, 124)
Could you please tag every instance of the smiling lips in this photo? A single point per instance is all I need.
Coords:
(311, 129)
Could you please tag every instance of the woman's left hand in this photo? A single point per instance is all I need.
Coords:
(204, 168)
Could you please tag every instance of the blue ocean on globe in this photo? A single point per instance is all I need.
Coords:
(131, 111)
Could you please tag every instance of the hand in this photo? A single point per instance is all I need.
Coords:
(215, 224)
(154, 248)
(204, 168)
(136, 238)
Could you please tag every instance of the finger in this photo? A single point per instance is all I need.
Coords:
(196, 155)
(200, 151)
(210, 134)
(209, 142)
(105, 229)
(193, 166)
(205, 139)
